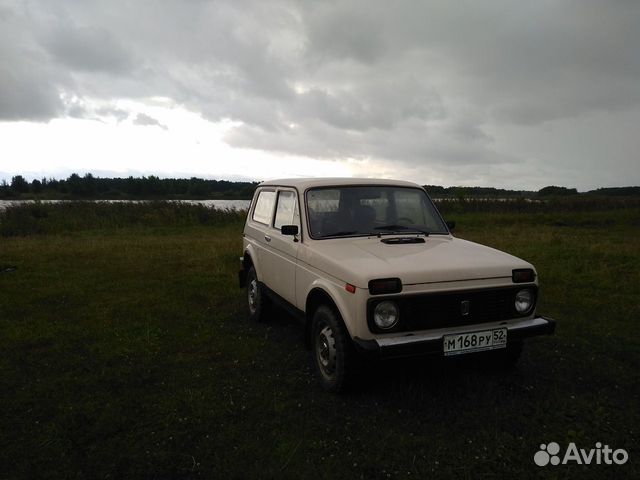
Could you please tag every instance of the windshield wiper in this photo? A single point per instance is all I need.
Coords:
(402, 228)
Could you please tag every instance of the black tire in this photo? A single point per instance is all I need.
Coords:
(334, 357)
(257, 303)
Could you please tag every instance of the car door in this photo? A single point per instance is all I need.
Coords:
(282, 250)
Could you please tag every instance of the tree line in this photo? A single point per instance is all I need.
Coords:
(152, 187)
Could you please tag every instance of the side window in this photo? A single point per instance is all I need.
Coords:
(264, 207)
(287, 209)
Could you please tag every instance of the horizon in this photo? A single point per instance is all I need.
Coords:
(29, 179)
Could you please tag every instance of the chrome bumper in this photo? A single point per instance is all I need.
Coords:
(431, 342)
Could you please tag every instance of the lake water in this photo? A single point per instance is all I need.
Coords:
(237, 204)
(219, 204)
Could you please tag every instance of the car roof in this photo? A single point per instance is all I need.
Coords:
(305, 183)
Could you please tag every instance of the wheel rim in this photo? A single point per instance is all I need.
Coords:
(252, 295)
(326, 351)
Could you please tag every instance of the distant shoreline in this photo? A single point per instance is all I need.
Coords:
(124, 198)
(221, 204)
(153, 188)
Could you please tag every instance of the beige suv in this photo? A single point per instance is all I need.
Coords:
(372, 270)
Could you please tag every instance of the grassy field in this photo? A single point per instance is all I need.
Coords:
(126, 353)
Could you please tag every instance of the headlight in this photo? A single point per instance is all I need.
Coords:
(386, 315)
(524, 301)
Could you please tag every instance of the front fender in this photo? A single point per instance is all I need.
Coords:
(251, 251)
(345, 302)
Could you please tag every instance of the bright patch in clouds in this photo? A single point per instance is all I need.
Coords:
(132, 138)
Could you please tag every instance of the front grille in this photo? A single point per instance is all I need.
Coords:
(440, 310)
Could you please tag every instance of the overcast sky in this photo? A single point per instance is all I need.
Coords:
(491, 93)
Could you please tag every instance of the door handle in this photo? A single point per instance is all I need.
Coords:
(267, 238)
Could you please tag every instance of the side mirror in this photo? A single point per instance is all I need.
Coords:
(451, 226)
(289, 230)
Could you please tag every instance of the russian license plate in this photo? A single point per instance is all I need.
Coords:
(475, 341)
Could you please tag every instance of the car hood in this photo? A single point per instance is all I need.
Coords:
(439, 259)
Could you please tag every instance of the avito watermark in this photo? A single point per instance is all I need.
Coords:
(600, 455)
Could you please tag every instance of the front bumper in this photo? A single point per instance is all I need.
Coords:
(431, 342)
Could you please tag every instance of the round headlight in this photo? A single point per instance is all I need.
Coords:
(386, 315)
(524, 301)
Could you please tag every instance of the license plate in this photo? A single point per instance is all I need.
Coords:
(475, 341)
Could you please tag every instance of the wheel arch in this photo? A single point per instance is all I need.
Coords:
(319, 295)
(250, 259)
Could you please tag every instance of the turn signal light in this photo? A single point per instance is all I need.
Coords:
(385, 285)
(523, 275)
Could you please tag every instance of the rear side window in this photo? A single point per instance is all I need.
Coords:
(264, 207)
(286, 210)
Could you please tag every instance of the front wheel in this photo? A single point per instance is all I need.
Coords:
(333, 353)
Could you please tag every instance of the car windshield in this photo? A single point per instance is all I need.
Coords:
(371, 210)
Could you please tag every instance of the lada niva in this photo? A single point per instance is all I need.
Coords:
(372, 269)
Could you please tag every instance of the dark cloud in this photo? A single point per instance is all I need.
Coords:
(25, 97)
(146, 120)
(88, 49)
(353, 30)
(378, 104)
(27, 81)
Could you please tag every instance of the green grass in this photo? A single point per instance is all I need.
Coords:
(47, 218)
(126, 353)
